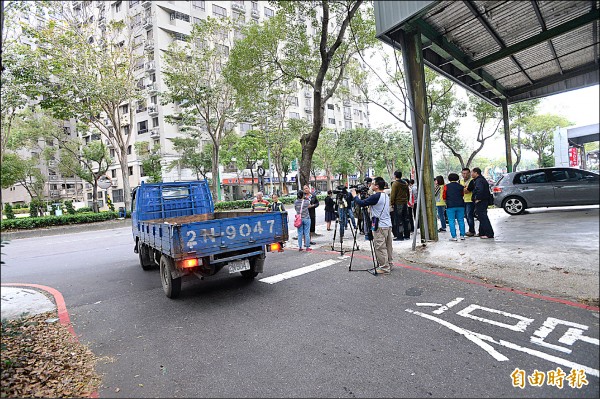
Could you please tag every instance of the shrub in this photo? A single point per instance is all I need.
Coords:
(69, 207)
(8, 211)
(33, 209)
(46, 221)
(84, 209)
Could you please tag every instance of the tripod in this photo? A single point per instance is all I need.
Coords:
(369, 235)
(342, 229)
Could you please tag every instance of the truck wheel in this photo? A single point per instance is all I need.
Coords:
(255, 263)
(144, 255)
(171, 286)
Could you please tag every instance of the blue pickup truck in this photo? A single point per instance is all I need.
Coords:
(176, 228)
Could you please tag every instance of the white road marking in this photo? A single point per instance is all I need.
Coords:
(466, 333)
(520, 326)
(298, 272)
(574, 333)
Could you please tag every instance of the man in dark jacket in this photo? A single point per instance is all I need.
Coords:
(399, 199)
(481, 197)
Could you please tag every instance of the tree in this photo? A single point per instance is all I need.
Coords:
(193, 155)
(539, 136)
(309, 42)
(192, 73)
(85, 70)
(325, 154)
(150, 157)
(248, 150)
(284, 145)
(517, 113)
(360, 147)
(396, 153)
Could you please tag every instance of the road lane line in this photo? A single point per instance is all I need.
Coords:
(298, 272)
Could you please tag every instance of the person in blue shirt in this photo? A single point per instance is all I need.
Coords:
(381, 224)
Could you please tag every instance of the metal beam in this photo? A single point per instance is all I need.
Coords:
(540, 19)
(540, 37)
(495, 36)
(554, 79)
(447, 50)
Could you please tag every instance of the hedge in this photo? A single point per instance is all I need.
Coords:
(46, 221)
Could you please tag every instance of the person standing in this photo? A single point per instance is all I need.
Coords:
(381, 225)
(259, 204)
(439, 202)
(399, 200)
(276, 205)
(455, 206)
(329, 209)
(301, 206)
(314, 202)
(467, 183)
(481, 198)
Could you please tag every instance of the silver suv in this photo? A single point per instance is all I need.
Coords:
(517, 191)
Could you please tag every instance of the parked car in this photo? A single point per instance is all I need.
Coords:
(546, 187)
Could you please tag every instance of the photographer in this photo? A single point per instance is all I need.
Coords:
(381, 224)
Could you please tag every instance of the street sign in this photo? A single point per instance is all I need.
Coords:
(261, 171)
(104, 182)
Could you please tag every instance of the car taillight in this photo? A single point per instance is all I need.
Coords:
(497, 189)
(188, 263)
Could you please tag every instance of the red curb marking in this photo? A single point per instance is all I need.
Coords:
(61, 307)
(487, 285)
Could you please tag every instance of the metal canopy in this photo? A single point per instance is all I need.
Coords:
(513, 50)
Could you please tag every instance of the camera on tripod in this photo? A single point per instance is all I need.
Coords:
(341, 195)
(361, 190)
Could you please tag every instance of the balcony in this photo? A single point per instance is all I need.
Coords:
(308, 110)
(124, 119)
(153, 110)
(152, 88)
(255, 14)
(307, 94)
(149, 46)
(147, 22)
(155, 133)
(150, 66)
(238, 7)
(146, 4)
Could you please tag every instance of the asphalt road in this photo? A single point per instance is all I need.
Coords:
(327, 332)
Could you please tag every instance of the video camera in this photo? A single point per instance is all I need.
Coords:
(360, 189)
(340, 190)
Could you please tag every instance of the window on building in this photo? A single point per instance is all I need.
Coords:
(128, 150)
(238, 17)
(307, 102)
(331, 121)
(155, 122)
(130, 170)
(244, 127)
(196, 21)
(293, 100)
(329, 106)
(156, 142)
(198, 5)
(218, 11)
(294, 115)
(347, 124)
(133, 2)
(268, 12)
(179, 36)
(179, 15)
(118, 6)
(142, 127)
(126, 130)
(89, 196)
(152, 77)
(139, 64)
(136, 20)
(113, 173)
(224, 50)
(153, 99)
(254, 5)
(117, 195)
(124, 109)
(112, 153)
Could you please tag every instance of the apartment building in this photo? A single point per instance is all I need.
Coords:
(159, 24)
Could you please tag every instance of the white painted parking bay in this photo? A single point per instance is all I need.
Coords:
(298, 272)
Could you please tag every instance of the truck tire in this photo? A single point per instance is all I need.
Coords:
(254, 264)
(171, 286)
(144, 255)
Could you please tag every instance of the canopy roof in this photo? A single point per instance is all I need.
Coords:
(513, 50)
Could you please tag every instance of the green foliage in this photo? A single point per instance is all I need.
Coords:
(71, 210)
(358, 149)
(150, 158)
(8, 211)
(47, 221)
(84, 209)
(539, 135)
(33, 210)
(192, 154)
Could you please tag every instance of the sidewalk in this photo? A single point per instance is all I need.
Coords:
(554, 251)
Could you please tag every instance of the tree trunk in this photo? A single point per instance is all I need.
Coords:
(278, 170)
(215, 172)
(95, 197)
(125, 176)
(309, 142)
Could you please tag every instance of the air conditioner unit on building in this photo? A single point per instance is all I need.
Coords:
(238, 7)
(347, 116)
(153, 110)
(255, 14)
(154, 133)
(150, 66)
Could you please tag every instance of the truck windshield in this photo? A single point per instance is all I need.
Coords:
(175, 192)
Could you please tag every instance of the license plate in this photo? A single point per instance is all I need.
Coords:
(239, 265)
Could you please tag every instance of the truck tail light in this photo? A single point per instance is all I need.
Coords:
(276, 247)
(188, 263)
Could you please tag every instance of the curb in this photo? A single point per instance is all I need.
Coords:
(61, 308)
(67, 229)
